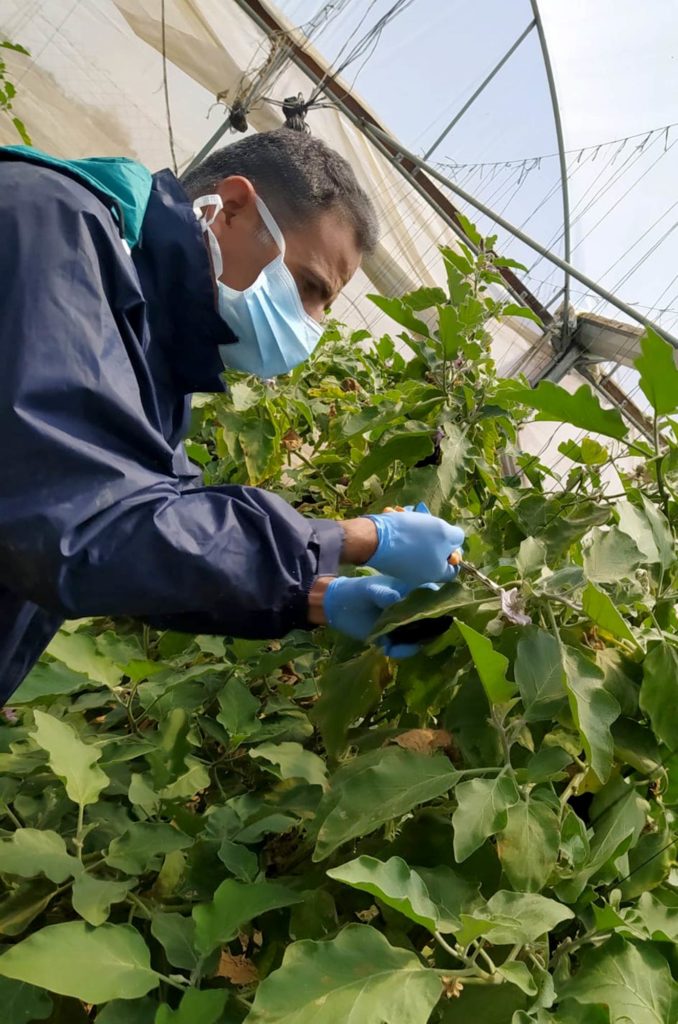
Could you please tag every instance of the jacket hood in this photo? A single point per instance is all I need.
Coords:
(125, 183)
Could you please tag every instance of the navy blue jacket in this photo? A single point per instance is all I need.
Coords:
(101, 512)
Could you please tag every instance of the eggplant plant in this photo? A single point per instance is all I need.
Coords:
(211, 830)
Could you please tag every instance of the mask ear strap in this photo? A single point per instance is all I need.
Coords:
(271, 223)
(207, 201)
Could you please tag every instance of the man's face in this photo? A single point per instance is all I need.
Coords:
(322, 255)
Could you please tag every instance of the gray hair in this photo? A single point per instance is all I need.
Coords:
(297, 175)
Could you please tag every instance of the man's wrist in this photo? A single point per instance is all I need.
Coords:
(360, 540)
(316, 600)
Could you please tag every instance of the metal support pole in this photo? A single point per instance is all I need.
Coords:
(483, 85)
(567, 251)
(377, 133)
(208, 147)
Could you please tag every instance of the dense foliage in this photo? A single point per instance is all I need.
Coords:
(207, 830)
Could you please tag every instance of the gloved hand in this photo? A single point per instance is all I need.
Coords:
(414, 546)
(353, 604)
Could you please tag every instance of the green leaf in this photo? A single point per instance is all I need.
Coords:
(539, 674)
(518, 974)
(408, 447)
(48, 680)
(660, 921)
(23, 905)
(91, 964)
(659, 692)
(451, 894)
(593, 709)
(401, 313)
(633, 981)
(528, 845)
(394, 883)
(531, 557)
(22, 131)
(601, 609)
(128, 1011)
(453, 451)
(375, 788)
(234, 905)
(658, 372)
(78, 652)
(511, 309)
(490, 665)
(29, 852)
(649, 530)
(23, 1003)
(240, 861)
(73, 761)
(610, 555)
(293, 762)
(482, 806)
(176, 934)
(139, 848)
(348, 690)
(357, 978)
(196, 1007)
(239, 710)
(581, 409)
(93, 897)
(511, 917)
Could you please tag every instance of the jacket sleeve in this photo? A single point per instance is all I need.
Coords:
(92, 518)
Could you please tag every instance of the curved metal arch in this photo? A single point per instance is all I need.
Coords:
(567, 244)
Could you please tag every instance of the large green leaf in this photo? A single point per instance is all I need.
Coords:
(511, 917)
(93, 897)
(482, 806)
(348, 690)
(71, 759)
(196, 1007)
(176, 934)
(357, 978)
(593, 709)
(22, 1003)
(610, 555)
(78, 651)
(293, 762)
(659, 692)
(528, 845)
(649, 529)
(407, 447)
(490, 665)
(401, 313)
(376, 788)
(47, 679)
(239, 709)
(91, 964)
(139, 848)
(581, 409)
(539, 675)
(30, 852)
(451, 893)
(234, 905)
(602, 610)
(658, 372)
(633, 981)
(128, 1011)
(394, 883)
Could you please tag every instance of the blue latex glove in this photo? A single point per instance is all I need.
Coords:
(414, 546)
(353, 604)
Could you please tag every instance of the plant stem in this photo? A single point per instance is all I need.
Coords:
(12, 816)
(659, 468)
(78, 841)
(172, 982)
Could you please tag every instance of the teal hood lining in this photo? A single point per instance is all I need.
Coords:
(126, 182)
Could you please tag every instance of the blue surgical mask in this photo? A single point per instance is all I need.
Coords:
(275, 333)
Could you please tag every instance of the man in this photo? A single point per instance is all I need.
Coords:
(122, 294)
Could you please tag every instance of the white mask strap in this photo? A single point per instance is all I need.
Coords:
(215, 249)
(271, 223)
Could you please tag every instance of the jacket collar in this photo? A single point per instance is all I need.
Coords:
(178, 285)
